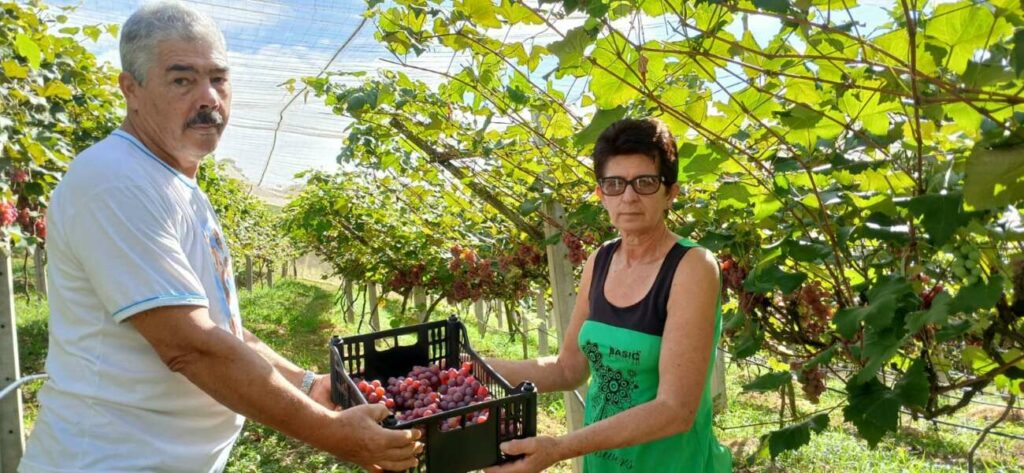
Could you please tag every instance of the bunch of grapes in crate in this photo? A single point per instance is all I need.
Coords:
(428, 390)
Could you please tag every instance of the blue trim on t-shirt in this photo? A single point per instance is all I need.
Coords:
(141, 147)
(186, 297)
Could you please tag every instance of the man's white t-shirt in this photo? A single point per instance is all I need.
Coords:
(128, 233)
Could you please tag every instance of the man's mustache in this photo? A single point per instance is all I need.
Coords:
(206, 116)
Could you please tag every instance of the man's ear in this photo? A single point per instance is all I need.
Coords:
(129, 88)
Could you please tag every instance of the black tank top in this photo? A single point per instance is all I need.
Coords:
(649, 314)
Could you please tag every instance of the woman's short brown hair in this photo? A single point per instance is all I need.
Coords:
(647, 136)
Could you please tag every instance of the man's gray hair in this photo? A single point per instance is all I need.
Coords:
(160, 21)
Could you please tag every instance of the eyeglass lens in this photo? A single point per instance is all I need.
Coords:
(644, 185)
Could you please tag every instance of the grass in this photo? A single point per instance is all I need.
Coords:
(298, 318)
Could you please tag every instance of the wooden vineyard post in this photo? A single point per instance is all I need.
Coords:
(350, 302)
(374, 313)
(419, 301)
(542, 328)
(499, 313)
(12, 442)
(481, 318)
(40, 263)
(719, 398)
(563, 295)
(248, 273)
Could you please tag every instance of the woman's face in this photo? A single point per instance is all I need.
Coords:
(631, 212)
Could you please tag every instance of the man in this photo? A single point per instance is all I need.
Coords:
(150, 367)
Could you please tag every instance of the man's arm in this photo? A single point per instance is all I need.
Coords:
(239, 377)
(319, 390)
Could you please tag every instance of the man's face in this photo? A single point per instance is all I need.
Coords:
(184, 105)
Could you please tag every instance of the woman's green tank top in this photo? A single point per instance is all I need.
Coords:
(623, 347)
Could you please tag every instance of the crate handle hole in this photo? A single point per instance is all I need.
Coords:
(398, 341)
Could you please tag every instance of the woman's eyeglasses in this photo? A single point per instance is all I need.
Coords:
(644, 185)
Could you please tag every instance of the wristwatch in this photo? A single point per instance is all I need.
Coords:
(307, 381)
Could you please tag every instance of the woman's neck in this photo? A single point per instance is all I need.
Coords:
(644, 247)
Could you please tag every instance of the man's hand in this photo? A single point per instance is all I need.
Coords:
(320, 392)
(373, 447)
(540, 453)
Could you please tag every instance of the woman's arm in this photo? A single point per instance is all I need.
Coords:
(685, 353)
(569, 368)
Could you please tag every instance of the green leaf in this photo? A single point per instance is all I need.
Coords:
(602, 119)
(93, 32)
(28, 49)
(994, 177)
(699, 164)
(530, 206)
(884, 300)
(977, 360)
(749, 341)
(941, 214)
(481, 12)
(847, 320)
(821, 358)
(980, 295)
(733, 320)
(56, 88)
(769, 382)
(13, 70)
(765, 206)
(517, 13)
(936, 315)
(776, 6)
(807, 252)
(964, 29)
(570, 50)
(794, 436)
(766, 279)
(733, 195)
(953, 330)
(913, 387)
(892, 288)
(883, 227)
(715, 241)
(1018, 51)
(879, 347)
(873, 409)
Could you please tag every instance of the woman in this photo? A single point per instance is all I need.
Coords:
(644, 328)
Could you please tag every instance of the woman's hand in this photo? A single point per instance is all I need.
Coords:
(540, 452)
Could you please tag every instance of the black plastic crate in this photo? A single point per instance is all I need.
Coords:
(512, 414)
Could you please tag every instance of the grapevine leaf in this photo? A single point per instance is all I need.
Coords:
(941, 214)
(913, 387)
(980, 295)
(28, 49)
(994, 177)
(771, 277)
(601, 120)
(873, 409)
(794, 436)
(936, 315)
